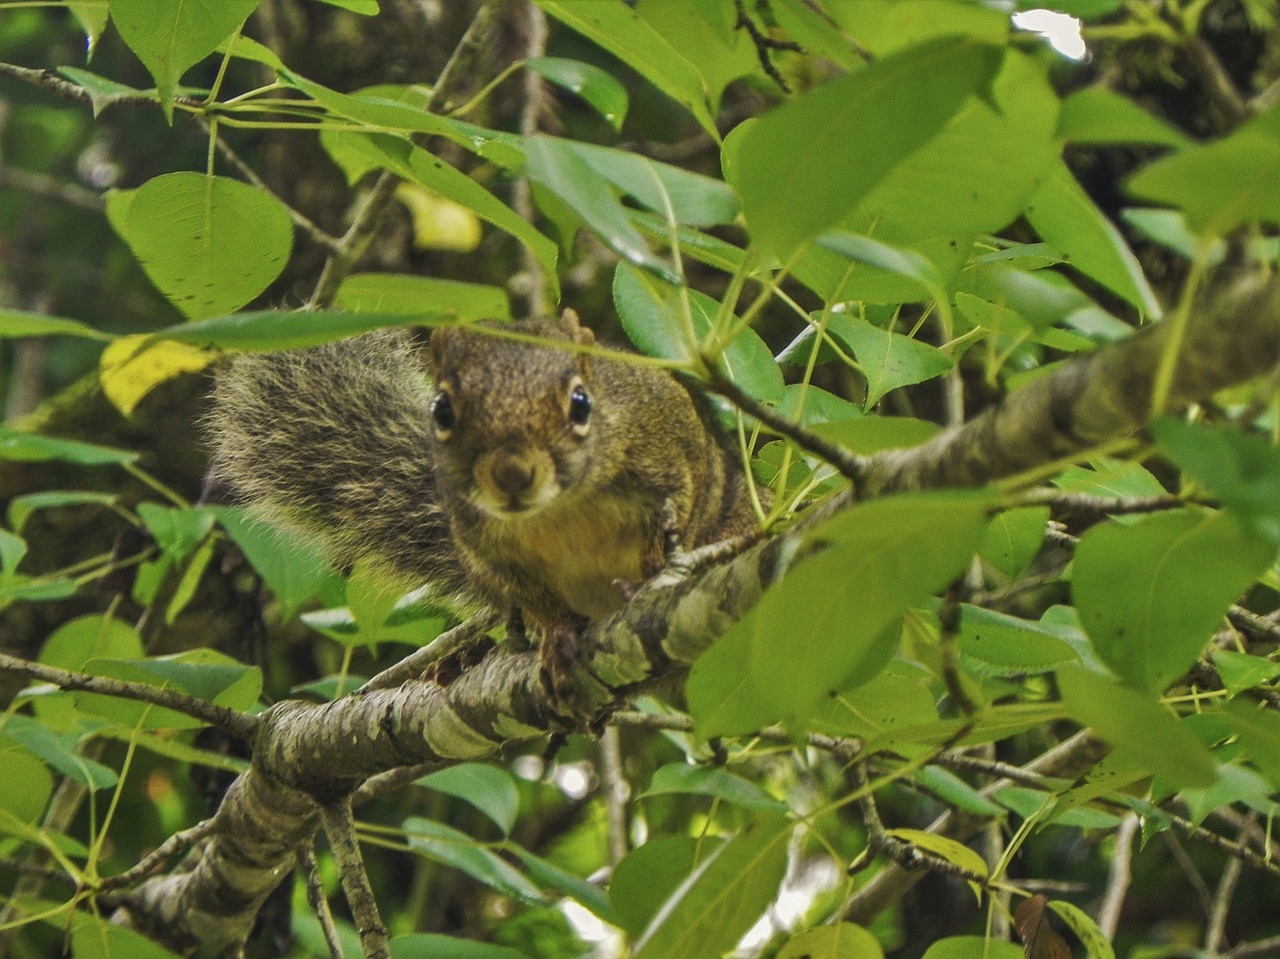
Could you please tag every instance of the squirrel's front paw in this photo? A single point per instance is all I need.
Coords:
(560, 658)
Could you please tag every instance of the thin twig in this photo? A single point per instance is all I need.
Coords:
(1120, 877)
(319, 902)
(848, 464)
(533, 104)
(46, 186)
(1216, 933)
(340, 828)
(175, 845)
(1257, 626)
(616, 792)
(393, 780)
(465, 635)
(1097, 505)
(238, 724)
(1217, 82)
(1203, 895)
(1259, 947)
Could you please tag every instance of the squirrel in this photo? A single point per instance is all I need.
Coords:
(533, 478)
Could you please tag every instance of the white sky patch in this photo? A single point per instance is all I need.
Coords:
(1062, 31)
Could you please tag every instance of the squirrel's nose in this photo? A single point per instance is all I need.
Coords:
(514, 476)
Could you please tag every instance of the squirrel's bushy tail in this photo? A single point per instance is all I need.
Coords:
(335, 440)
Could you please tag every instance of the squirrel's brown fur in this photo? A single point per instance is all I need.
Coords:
(544, 480)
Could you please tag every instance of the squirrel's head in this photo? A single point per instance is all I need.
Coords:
(514, 420)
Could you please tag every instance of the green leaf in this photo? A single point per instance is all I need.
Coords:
(551, 876)
(32, 448)
(177, 530)
(1220, 185)
(1099, 116)
(954, 791)
(648, 875)
(705, 34)
(209, 244)
(886, 26)
(559, 168)
(724, 895)
(293, 569)
(1162, 745)
(270, 330)
(203, 673)
(972, 947)
(871, 434)
(896, 697)
(94, 937)
(1151, 593)
(620, 30)
(366, 8)
(26, 785)
(841, 941)
(21, 507)
(832, 620)
(94, 636)
(414, 163)
(387, 107)
(977, 174)
(1033, 803)
(802, 167)
(945, 848)
(103, 92)
(1110, 478)
(1004, 645)
(1086, 930)
(1241, 671)
(1014, 538)
(887, 359)
(1169, 229)
(433, 945)
(606, 95)
(59, 752)
(1259, 732)
(1064, 216)
(401, 293)
(18, 323)
(716, 783)
(93, 18)
(651, 313)
(925, 281)
(672, 193)
(489, 789)
(449, 846)
(169, 36)
(1243, 471)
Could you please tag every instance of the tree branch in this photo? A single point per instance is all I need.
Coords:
(238, 724)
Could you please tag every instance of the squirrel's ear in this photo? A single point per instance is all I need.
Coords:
(574, 330)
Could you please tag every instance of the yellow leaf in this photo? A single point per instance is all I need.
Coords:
(129, 371)
(956, 853)
(438, 223)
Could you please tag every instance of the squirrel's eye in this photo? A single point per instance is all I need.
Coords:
(442, 413)
(579, 407)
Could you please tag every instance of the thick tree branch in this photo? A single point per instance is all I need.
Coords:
(1095, 399)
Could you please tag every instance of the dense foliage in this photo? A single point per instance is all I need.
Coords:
(859, 222)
